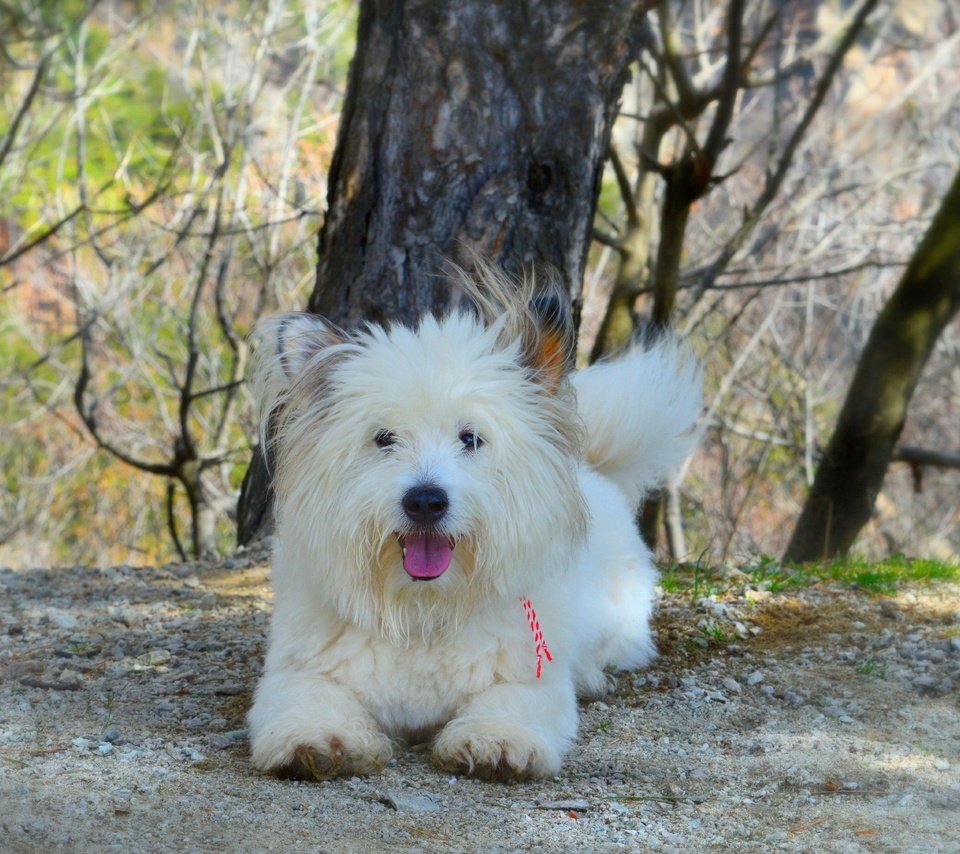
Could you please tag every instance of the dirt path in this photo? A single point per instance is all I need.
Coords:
(821, 720)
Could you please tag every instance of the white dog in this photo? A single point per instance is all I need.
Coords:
(456, 551)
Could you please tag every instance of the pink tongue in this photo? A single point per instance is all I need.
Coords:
(428, 555)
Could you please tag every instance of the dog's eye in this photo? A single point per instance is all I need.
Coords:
(384, 439)
(471, 441)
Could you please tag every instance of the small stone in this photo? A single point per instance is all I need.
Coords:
(111, 734)
(23, 668)
(941, 765)
(219, 741)
(577, 805)
(81, 743)
(406, 801)
(105, 749)
(754, 678)
(69, 678)
(125, 615)
(228, 690)
(732, 685)
(66, 621)
(191, 754)
(890, 611)
(846, 719)
(155, 658)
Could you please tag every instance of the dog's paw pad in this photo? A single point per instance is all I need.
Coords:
(309, 762)
(312, 763)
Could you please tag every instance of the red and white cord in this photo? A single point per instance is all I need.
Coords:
(541, 644)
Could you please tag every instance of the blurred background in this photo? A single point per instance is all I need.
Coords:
(163, 178)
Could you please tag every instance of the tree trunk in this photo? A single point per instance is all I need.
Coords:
(203, 514)
(469, 127)
(852, 470)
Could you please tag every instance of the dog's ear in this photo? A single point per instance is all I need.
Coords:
(549, 348)
(298, 337)
(285, 343)
(534, 308)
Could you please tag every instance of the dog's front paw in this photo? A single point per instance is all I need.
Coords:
(495, 750)
(313, 758)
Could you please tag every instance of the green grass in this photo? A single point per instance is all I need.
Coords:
(886, 576)
(718, 635)
(882, 578)
(872, 667)
(694, 579)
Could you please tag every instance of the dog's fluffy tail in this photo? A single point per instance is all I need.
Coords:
(640, 412)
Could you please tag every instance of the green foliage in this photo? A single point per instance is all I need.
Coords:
(883, 577)
(886, 576)
(717, 634)
(175, 108)
(696, 580)
(873, 668)
(768, 574)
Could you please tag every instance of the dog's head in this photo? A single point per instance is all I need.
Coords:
(418, 471)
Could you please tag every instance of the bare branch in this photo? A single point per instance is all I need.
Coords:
(925, 457)
(729, 86)
(607, 239)
(623, 182)
(88, 414)
(23, 109)
(172, 519)
(775, 179)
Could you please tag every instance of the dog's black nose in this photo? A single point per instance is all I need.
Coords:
(425, 505)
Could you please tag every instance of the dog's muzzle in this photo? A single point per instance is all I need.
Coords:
(427, 553)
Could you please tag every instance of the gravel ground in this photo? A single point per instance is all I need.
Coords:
(820, 720)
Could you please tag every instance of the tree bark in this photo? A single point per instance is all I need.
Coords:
(852, 470)
(468, 128)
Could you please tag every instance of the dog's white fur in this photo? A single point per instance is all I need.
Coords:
(359, 652)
